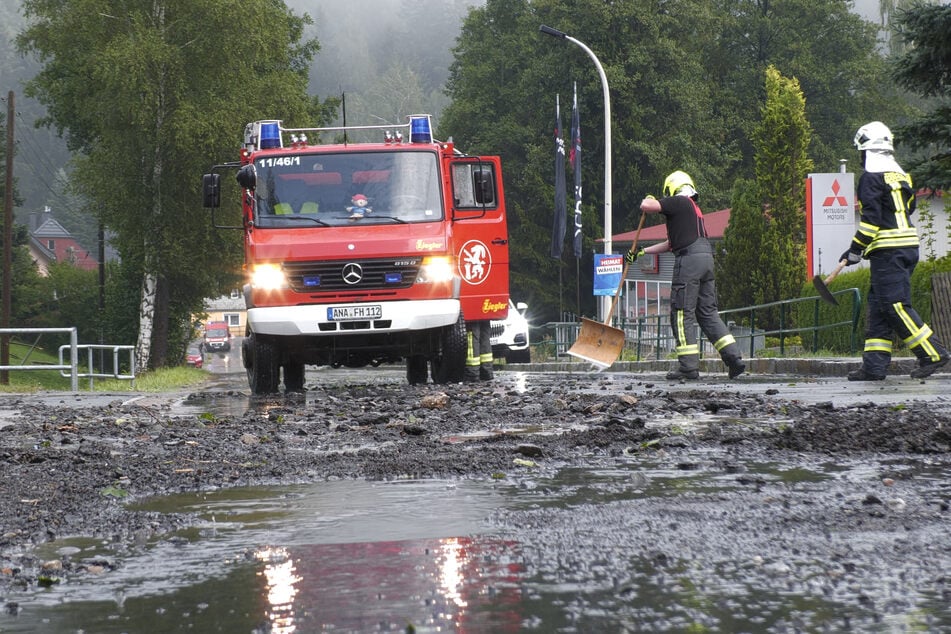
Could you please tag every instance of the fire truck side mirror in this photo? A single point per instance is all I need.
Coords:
(211, 190)
(484, 186)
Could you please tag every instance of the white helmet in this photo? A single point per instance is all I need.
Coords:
(874, 136)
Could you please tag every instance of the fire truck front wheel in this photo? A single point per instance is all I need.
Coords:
(263, 366)
(449, 363)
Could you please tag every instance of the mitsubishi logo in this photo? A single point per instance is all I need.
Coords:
(352, 273)
(836, 198)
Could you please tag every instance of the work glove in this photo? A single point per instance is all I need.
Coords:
(850, 257)
(631, 256)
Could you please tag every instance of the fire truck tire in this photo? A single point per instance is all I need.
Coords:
(264, 369)
(417, 371)
(449, 363)
(293, 377)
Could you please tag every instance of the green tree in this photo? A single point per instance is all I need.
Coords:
(503, 102)
(770, 261)
(70, 297)
(834, 54)
(739, 277)
(686, 87)
(149, 94)
(925, 68)
(25, 295)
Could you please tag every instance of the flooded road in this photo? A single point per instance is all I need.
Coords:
(665, 537)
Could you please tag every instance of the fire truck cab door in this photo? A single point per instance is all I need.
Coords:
(480, 236)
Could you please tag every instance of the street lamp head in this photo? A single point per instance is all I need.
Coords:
(553, 32)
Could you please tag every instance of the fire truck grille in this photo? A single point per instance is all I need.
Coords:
(348, 275)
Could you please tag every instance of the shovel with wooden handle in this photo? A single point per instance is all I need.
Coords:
(601, 344)
(822, 286)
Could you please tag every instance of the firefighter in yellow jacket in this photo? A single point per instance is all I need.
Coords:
(887, 238)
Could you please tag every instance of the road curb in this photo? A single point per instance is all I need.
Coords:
(831, 367)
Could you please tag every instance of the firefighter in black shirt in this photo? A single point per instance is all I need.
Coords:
(888, 239)
(693, 295)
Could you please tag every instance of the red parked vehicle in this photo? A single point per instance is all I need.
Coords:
(364, 253)
(194, 357)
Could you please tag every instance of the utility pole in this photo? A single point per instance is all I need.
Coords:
(7, 244)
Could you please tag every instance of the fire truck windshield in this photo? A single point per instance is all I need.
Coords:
(313, 190)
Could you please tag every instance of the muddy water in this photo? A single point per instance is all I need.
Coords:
(681, 540)
(631, 546)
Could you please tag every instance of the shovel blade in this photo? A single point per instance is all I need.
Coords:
(598, 343)
(824, 291)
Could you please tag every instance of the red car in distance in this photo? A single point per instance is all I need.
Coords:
(194, 357)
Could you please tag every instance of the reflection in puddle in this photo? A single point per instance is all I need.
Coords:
(551, 553)
(282, 580)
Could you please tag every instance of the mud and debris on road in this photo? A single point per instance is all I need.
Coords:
(70, 469)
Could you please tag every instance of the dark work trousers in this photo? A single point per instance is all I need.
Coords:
(693, 301)
(890, 312)
(479, 351)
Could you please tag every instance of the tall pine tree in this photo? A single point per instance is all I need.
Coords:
(763, 257)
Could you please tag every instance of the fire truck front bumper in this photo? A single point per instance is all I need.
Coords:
(348, 318)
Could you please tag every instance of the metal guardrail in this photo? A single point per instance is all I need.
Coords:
(91, 374)
(784, 309)
(73, 346)
(651, 337)
(72, 363)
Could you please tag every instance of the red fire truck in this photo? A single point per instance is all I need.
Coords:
(364, 253)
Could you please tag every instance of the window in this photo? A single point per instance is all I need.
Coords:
(51, 245)
(232, 319)
(235, 293)
(473, 185)
(649, 263)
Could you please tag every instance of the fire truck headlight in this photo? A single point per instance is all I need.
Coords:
(268, 277)
(435, 269)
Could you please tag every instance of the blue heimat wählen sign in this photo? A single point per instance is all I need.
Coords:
(607, 273)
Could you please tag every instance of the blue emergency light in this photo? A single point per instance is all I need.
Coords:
(419, 129)
(270, 135)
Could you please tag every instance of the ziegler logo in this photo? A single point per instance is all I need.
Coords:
(422, 245)
(490, 307)
(352, 273)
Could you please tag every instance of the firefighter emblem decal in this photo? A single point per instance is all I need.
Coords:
(475, 260)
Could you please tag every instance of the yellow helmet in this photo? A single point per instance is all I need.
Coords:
(677, 181)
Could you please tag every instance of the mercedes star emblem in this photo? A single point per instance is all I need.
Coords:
(352, 273)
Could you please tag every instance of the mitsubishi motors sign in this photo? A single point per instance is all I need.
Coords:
(830, 220)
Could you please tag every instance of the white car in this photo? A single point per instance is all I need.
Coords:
(510, 335)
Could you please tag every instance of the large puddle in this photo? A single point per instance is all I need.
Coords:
(563, 553)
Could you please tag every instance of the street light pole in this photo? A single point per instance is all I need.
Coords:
(605, 300)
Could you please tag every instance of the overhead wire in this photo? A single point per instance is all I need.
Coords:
(25, 140)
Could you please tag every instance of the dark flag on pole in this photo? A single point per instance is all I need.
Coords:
(576, 164)
(561, 204)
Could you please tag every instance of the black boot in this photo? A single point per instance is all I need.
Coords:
(862, 375)
(677, 375)
(735, 366)
(927, 367)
